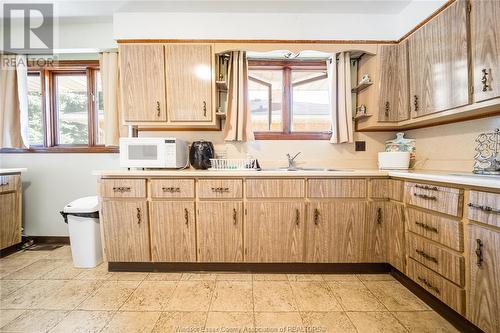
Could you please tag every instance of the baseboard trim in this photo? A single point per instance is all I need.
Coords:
(345, 268)
(47, 239)
(456, 319)
(9, 250)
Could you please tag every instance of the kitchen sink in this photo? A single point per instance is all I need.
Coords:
(304, 169)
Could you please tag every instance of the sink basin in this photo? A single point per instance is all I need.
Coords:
(303, 169)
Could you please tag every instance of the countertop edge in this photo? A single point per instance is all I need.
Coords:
(12, 171)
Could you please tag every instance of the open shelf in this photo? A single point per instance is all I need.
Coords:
(360, 87)
(221, 115)
(221, 85)
(361, 116)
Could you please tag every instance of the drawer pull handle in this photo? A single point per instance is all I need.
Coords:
(297, 216)
(427, 187)
(235, 215)
(171, 189)
(426, 256)
(122, 189)
(425, 196)
(479, 252)
(220, 189)
(427, 227)
(186, 216)
(379, 215)
(316, 216)
(428, 284)
(139, 216)
(487, 209)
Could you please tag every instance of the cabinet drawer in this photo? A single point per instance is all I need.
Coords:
(442, 199)
(275, 188)
(484, 207)
(123, 188)
(9, 183)
(446, 291)
(387, 189)
(443, 230)
(172, 188)
(220, 188)
(442, 261)
(337, 188)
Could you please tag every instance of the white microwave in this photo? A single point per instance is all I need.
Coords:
(153, 153)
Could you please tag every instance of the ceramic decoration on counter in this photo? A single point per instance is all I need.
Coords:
(401, 144)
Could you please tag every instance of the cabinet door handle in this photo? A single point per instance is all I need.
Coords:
(139, 216)
(204, 108)
(486, 209)
(171, 189)
(157, 108)
(235, 216)
(425, 196)
(4, 184)
(220, 189)
(121, 189)
(479, 253)
(316, 216)
(427, 227)
(387, 108)
(428, 284)
(297, 217)
(186, 216)
(426, 256)
(427, 187)
(379, 215)
(415, 102)
(484, 79)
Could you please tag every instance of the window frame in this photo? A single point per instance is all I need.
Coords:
(50, 112)
(287, 66)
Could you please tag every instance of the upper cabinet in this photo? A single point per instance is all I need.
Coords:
(438, 63)
(189, 82)
(142, 82)
(485, 38)
(171, 85)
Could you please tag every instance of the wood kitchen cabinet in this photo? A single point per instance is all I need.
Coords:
(274, 231)
(10, 228)
(336, 231)
(220, 231)
(394, 224)
(438, 62)
(485, 45)
(393, 104)
(142, 73)
(173, 231)
(375, 241)
(483, 297)
(126, 230)
(190, 82)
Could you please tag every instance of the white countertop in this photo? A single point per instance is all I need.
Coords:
(451, 177)
(12, 170)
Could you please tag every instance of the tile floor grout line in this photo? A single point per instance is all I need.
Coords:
(129, 296)
(211, 300)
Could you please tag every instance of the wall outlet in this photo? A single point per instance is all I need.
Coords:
(360, 145)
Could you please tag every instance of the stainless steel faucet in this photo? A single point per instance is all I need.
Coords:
(291, 160)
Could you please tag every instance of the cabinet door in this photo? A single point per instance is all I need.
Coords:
(10, 230)
(439, 78)
(374, 238)
(126, 230)
(173, 231)
(220, 231)
(142, 83)
(485, 44)
(483, 299)
(274, 231)
(394, 235)
(189, 82)
(393, 95)
(336, 231)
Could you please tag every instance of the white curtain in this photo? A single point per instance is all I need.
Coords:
(237, 126)
(13, 105)
(339, 88)
(109, 68)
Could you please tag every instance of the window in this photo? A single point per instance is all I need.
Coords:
(65, 108)
(289, 99)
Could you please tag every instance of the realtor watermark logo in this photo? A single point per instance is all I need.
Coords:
(28, 28)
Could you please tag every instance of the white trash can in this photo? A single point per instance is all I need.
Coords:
(82, 217)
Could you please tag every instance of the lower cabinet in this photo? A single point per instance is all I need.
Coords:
(395, 235)
(220, 231)
(336, 231)
(173, 231)
(274, 231)
(126, 230)
(9, 223)
(483, 297)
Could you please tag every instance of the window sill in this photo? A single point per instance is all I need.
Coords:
(67, 149)
(292, 136)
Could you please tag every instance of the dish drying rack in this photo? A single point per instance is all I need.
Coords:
(233, 164)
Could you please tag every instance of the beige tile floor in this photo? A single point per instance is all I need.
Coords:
(42, 292)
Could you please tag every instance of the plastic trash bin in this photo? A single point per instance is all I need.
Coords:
(82, 217)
